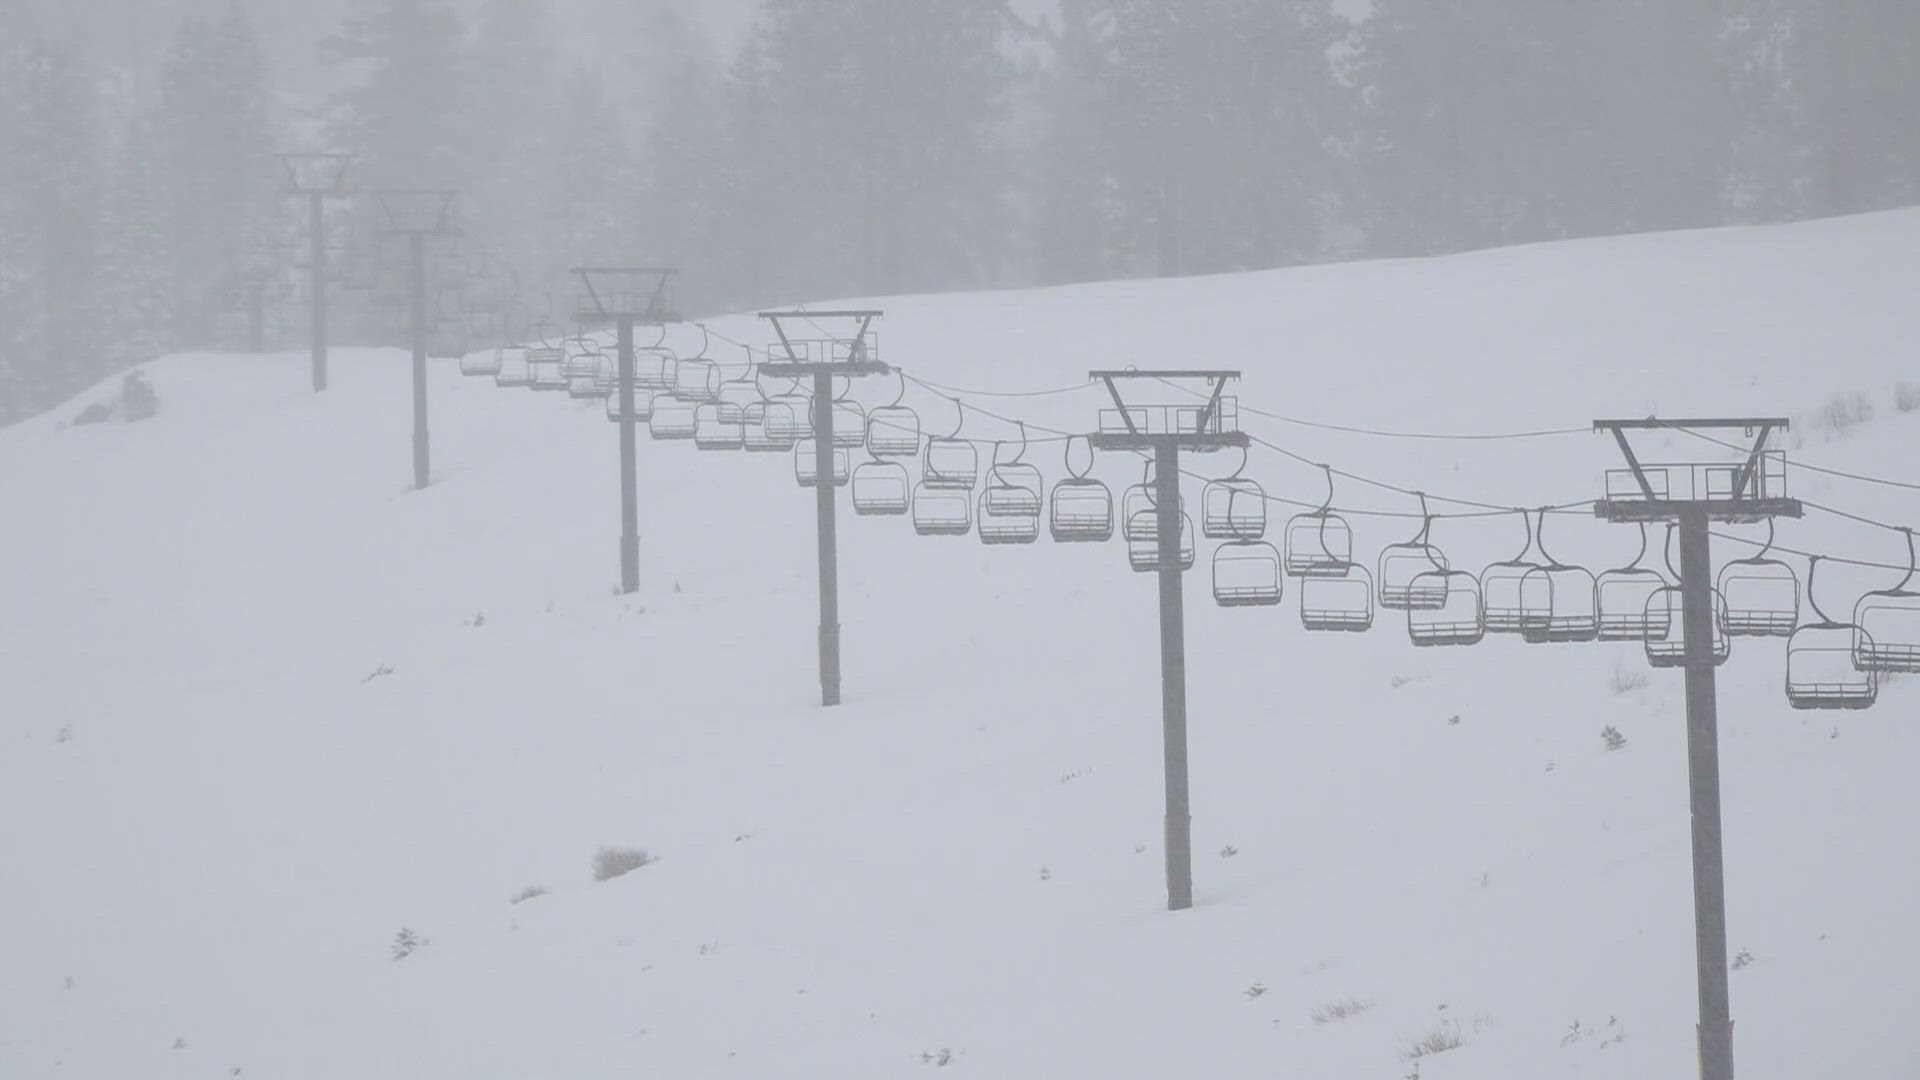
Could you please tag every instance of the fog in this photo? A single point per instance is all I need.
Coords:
(798, 149)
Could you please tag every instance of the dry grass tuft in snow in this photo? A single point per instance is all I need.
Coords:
(1625, 681)
(611, 862)
(528, 893)
(1841, 414)
(1339, 1010)
(1438, 1041)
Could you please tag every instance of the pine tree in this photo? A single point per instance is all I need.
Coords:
(883, 117)
(49, 190)
(214, 151)
(408, 113)
(136, 279)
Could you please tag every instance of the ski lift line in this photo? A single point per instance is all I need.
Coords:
(1410, 492)
(1862, 563)
(1485, 437)
(1793, 464)
(945, 389)
(1856, 517)
(1490, 509)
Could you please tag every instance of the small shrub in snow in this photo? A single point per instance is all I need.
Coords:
(1742, 959)
(1612, 737)
(380, 672)
(937, 1058)
(1254, 991)
(611, 862)
(1046, 874)
(406, 943)
(1438, 1041)
(1842, 413)
(1229, 851)
(528, 893)
(1906, 397)
(1625, 681)
(1339, 1010)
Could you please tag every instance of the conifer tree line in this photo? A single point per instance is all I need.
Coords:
(844, 148)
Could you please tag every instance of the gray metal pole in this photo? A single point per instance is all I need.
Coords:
(629, 496)
(420, 454)
(1173, 677)
(317, 218)
(829, 541)
(1703, 782)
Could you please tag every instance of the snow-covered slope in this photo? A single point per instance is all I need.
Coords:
(265, 707)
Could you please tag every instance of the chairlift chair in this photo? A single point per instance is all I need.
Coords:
(893, 431)
(1762, 594)
(1144, 555)
(1140, 513)
(1247, 573)
(1010, 504)
(587, 386)
(951, 461)
(719, 425)
(672, 420)
(1501, 591)
(759, 438)
(1319, 544)
(547, 367)
(484, 362)
(942, 510)
(513, 373)
(1460, 620)
(882, 489)
(1558, 602)
(849, 424)
(1082, 512)
(1233, 509)
(1413, 575)
(583, 357)
(806, 464)
(1666, 641)
(1889, 622)
(607, 374)
(1621, 594)
(1337, 602)
(642, 408)
(1082, 508)
(655, 369)
(1821, 670)
(697, 380)
(789, 417)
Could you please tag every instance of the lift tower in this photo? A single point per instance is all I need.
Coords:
(418, 215)
(825, 358)
(626, 296)
(317, 178)
(1162, 431)
(1694, 495)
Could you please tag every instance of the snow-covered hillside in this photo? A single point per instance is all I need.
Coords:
(265, 707)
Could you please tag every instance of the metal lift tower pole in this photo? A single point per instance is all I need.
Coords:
(422, 451)
(627, 296)
(827, 530)
(629, 468)
(850, 356)
(318, 177)
(1705, 494)
(418, 215)
(1133, 428)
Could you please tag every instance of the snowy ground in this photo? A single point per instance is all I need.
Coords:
(266, 707)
